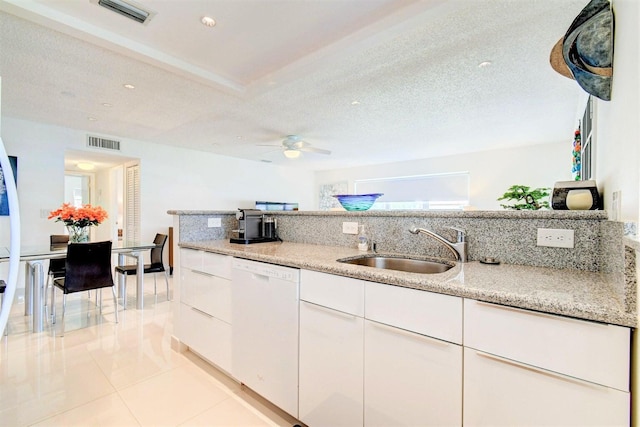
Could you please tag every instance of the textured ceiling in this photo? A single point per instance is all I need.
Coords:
(271, 68)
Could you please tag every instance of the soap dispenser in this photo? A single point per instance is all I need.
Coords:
(363, 241)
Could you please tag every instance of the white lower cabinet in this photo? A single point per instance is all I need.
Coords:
(205, 305)
(501, 392)
(410, 379)
(331, 367)
(331, 350)
(523, 368)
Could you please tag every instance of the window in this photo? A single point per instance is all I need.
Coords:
(448, 191)
(587, 135)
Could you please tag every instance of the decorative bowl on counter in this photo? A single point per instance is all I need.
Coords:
(357, 202)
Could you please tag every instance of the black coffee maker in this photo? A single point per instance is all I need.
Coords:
(254, 227)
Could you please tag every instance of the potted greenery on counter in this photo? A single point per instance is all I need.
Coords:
(526, 198)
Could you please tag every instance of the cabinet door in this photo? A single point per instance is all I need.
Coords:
(207, 293)
(591, 351)
(331, 367)
(206, 335)
(410, 379)
(500, 392)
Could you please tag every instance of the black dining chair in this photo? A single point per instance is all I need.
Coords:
(56, 265)
(87, 267)
(156, 266)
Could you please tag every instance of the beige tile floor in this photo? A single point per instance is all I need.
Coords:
(105, 374)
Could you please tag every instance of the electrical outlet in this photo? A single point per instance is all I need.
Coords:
(350, 227)
(214, 222)
(555, 237)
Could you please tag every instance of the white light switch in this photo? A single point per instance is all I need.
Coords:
(214, 222)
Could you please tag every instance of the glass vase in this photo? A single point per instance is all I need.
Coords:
(78, 234)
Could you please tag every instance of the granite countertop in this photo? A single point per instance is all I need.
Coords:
(575, 293)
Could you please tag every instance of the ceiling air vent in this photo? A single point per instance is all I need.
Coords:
(106, 144)
(127, 9)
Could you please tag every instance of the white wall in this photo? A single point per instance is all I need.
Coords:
(491, 172)
(617, 126)
(171, 178)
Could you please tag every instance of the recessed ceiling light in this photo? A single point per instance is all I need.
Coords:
(484, 64)
(355, 102)
(91, 119)
(129, 86)
(86, 166)
(106, 104)
(208, 21)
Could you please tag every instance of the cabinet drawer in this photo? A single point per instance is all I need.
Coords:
(206, 335)
(207, 262)
(591, 351)
(501, 392)
(337, 292)
(207, 293)
(427, 313)
(216, 264)
(191, 258)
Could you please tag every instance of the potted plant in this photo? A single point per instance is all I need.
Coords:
(526, 198)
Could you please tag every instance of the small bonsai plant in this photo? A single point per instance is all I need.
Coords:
(526, 198)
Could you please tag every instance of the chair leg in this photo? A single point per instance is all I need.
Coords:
(99, 298)
(124, 291)
(53, 304)
(155, 286)
(115, 301)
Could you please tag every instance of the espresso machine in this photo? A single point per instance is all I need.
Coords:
(254, 227)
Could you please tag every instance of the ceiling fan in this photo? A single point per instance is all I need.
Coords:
(293, 145)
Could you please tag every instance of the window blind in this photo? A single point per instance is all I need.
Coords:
(435, 188)
(132, 203)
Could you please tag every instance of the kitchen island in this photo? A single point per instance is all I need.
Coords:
(544, 341)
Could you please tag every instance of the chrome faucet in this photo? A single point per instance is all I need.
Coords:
(457, 248)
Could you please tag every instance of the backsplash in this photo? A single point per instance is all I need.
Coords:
(509, 236)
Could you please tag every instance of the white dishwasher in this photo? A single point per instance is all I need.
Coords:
(264, 302)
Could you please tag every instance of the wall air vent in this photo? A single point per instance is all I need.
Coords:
(105, 144)
(127, 9)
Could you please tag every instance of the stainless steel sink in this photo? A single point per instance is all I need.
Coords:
(400, 263)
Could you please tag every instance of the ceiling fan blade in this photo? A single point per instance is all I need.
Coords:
(315, 150)
(269, 145)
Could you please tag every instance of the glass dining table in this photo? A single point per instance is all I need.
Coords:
(34, 257)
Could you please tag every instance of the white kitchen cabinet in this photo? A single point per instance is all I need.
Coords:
(410, 379)
(501, 392)
(413, 360)
(205, 305)
(331, 350)
(527, 368)
(427, 313)
(331, 367)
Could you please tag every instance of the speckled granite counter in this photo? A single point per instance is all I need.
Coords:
(576, 293)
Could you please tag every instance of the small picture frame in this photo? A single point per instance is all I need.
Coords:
(4, 200)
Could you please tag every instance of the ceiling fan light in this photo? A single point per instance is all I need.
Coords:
(291, 154)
